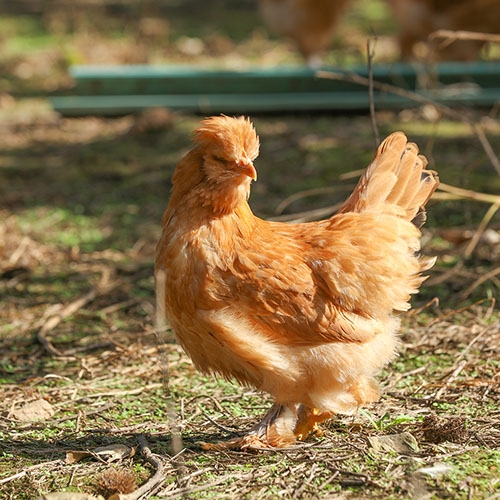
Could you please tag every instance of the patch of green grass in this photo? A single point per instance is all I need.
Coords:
(63, 227)
(388, 421)
(477, 470)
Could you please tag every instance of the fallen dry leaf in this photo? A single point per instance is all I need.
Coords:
(72, 457)
(108, 453)
(39, 409)
(114, 452)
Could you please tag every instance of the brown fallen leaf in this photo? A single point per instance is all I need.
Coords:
(74, 456)
(40, 409)
(108, 453)
(114, 452)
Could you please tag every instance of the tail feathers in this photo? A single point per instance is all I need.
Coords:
(395, 181)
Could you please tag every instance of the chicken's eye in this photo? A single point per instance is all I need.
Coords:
(220, 159)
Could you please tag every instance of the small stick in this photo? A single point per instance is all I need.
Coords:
(154, 480)
(181, 492)
(451, 36)
(451, 378)
(370, 53)
(68, 310)
(28, 469)
(416, 97)
(485, 277)
(469, 194)
(481, 228)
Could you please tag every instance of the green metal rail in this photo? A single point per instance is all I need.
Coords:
(113, 90)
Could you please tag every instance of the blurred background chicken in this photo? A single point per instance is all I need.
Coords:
(301, 311)
(310, 24)
(417, 19)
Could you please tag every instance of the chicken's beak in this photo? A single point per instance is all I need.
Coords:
(247, 168)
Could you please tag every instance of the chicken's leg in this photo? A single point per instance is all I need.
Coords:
(282, 426)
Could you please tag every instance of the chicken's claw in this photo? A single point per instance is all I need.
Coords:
(308, 420)
(281, 427)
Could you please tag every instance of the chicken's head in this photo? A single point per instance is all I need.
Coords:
(230, 146)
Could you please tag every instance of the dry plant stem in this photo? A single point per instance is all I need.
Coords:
(414, 96)
(450, 36)
(455, 192)
(481, 228)
(18, 252)
(370, 53)
(153, 481)
(283, 205)
(162, 331)
(308, 215)
(469, 194)
(471, 343)
(68, 310)
(124, 392)
(451, 378)
(460, 362)
(480, 281)
(28, 469)
(185, 492)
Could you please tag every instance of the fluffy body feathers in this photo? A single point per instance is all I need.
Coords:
(301, 311)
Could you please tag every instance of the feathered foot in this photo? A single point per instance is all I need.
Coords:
(281, 427)
(308, 420)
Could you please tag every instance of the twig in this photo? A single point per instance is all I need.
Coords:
(485, 277)
(416, 97)
(283, 205)
(187, 491)
(18, 252)
(464, 35)
(29, 469)
(162, 332)
(307, 482)
(469, 194)
(471, 343)
(68, 310)
(308, 215)
(154, 480)
(458, 269)
(481, 228)
(54, 321)
(373, 116)
(450, 379)
(220, 426)
(121, 392)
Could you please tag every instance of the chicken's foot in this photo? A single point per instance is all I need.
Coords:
(281, 427)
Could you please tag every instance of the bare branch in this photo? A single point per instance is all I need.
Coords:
(416, 97)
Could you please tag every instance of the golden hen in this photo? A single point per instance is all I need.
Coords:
(305, 311)
(417, 19)
(310, 24)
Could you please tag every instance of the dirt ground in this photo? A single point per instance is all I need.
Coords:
(94, 400)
